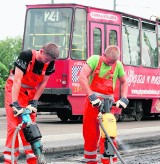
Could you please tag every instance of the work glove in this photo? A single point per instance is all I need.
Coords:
(122, 103)
(32, 106)
(95, 101)
(17, 110)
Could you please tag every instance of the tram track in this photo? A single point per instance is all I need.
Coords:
(149, 155)
(146, 155)
(139, 151)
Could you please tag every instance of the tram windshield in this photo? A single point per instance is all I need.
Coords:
(48, 25)
(55, 25)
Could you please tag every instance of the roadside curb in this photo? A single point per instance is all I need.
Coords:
(3, 112)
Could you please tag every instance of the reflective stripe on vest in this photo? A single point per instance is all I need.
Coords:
(28, 147)
(11, 76)
(91, 159)
(103, 95)
(8, 157)
(26, 86)
(10, 149)
(30, 155)
(90, 152)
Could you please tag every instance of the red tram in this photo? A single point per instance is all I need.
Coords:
(81, 31)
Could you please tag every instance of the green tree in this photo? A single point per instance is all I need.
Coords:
(9, 50)
(3, 74)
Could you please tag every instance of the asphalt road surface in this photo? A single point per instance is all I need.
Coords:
(51, 125)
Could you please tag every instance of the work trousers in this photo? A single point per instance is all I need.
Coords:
(12, 123)
(91, 133)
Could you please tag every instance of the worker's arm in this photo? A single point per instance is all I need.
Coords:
(17, 109)
(124, 86)
(40, 88)
(123, 102)
(16, 84)
(84, 79)
(33, 103)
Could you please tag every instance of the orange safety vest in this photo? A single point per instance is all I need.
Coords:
(30, 79)
(103, 84)
(29, 82)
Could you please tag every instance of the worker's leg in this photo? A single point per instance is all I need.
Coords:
(90, 133)
(12, 123)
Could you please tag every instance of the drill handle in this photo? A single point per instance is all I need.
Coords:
(106, 105)
(26, 116)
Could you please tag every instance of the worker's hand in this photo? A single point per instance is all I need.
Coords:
(32, 106)
(122, 103)
(17, 110)
(95, 101)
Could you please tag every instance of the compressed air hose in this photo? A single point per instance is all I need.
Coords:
(18, 128)
(109, 139)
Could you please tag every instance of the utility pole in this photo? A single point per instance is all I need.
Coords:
(114, 5)
(52, 1)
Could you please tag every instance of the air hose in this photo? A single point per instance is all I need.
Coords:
(109, 139)
(18, 128)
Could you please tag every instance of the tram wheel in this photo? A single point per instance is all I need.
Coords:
(75, 118)
(139, 116)
(138, 113)
(63, 115)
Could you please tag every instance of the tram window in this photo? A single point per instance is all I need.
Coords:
(78, 49)
(158, 49)
(158, 44)
(97, 42)
(131, 46)
(149, 49)
(113, 37)
(48, 25)
(130, 21)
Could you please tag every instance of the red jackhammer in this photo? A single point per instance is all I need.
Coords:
(32, 135)
(108, 129)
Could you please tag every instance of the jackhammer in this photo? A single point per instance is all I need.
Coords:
(32, 135)
(108, 129)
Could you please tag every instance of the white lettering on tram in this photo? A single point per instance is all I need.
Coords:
(97, 15)
(134, 78)
(145, 91)
(155, 80)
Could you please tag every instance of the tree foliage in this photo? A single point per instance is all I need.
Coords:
(9, 50)
(3, 75)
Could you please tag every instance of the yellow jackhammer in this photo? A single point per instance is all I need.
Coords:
(108, 129)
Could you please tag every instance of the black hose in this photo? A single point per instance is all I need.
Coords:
(110, 140)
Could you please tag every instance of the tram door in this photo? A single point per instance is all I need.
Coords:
(113, 35)
(97, 39)
(102, 35)
(113, 38)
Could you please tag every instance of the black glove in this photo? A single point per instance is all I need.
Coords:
(122, 103)
(17, 110)
(95, 101)
(32, 106)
